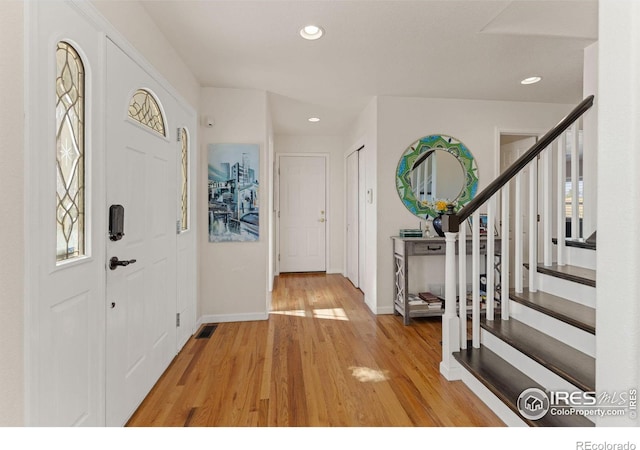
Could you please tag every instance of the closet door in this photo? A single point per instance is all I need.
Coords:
(352, 218)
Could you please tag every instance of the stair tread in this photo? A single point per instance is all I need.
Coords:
(576, 314)
(577, 243)
(507, 383)
(567, 362)
(577, 274)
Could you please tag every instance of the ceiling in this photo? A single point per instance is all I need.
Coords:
(444, 49)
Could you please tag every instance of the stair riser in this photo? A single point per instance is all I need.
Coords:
(581, 257)
(570, 335)
(531, 368)
(579, 293)
(496, 405)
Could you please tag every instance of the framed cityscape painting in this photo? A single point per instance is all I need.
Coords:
(234, 209)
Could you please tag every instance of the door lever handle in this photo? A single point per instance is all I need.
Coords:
(115, 262)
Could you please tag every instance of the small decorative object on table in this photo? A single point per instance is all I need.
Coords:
(441, 207)
(410, 232)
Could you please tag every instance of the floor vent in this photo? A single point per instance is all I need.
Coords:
(206, 332)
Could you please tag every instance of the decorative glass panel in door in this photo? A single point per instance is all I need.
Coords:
(70, 153)
(144, 108)
(184, 198)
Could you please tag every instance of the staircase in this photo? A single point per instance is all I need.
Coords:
(541, 338)
(548, 343)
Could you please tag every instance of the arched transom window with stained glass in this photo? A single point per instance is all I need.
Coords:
(144, 108)
(70, 153)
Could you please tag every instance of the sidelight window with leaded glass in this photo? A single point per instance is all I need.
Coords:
(184, 138)
(144, 109)
(70, 153)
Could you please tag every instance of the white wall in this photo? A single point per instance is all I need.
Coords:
(364, 133)
(590, 141)
(137, 27)
(11, 198)
(233, 282)
(401, 121)
(333, 146)
(618, 284)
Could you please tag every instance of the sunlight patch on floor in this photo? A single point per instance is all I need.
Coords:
(329, 313)
(369, 375)
(295, 313)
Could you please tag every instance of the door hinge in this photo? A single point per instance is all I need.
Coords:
(278, 256)
(177, 319)
(179, 135)
(538, 218)
(178, 226)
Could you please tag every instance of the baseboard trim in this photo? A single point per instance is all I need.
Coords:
(220, 318)
(385, 310)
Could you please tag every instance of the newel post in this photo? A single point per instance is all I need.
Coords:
(449, 367)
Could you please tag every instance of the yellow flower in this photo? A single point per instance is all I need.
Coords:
(441, 205)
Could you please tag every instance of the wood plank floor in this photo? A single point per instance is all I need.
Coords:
(322, 359)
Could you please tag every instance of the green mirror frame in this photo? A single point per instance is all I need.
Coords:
(424, 209)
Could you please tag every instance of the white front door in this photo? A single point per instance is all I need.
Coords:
(303, 215)
(141, 296)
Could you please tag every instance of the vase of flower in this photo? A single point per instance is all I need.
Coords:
(440, 206)
(437, 225)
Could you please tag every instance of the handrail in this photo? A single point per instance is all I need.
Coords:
(517, 166)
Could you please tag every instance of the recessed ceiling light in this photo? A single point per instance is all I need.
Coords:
(531, 80)
(314, 119)
(311, 32)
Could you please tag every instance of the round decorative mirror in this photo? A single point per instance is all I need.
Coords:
(433, 172)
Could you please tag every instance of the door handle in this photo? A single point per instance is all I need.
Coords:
(115, 262)
(321, 220)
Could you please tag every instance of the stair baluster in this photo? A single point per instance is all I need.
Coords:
(561, 213)
(504, 256)
(532, 233)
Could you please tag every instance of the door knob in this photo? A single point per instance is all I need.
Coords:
(115, 262)
(321, 220)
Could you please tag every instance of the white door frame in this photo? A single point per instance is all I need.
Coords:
(515, 132)
(497, 159)
(328, 215)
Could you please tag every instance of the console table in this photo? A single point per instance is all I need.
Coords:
(404, 247)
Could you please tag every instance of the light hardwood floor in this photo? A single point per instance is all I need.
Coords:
(322, 359)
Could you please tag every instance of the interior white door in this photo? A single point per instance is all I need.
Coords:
(141, 297)
(512, 148)
(352, 218)
(303, 217)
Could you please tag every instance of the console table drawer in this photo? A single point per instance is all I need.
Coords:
(428, 248)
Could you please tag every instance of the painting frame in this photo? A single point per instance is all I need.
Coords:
(233, 188)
